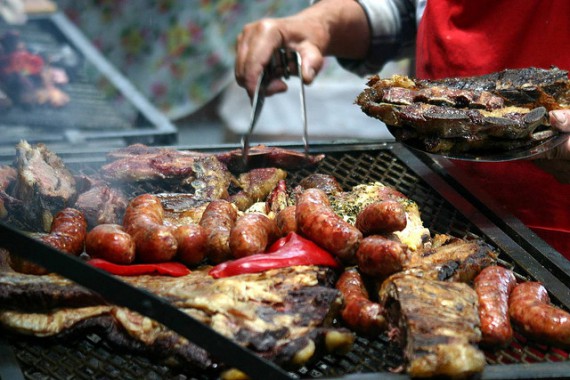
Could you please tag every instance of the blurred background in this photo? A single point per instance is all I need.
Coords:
(179, 56)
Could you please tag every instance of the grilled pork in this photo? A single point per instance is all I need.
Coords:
(437, 324)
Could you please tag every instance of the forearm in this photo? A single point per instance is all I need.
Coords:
(344, 30)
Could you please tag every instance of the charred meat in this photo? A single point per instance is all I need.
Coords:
(503, 110)
(437, 324)
(43, 186)
(283, 315)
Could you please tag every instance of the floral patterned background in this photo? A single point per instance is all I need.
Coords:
(179, 54)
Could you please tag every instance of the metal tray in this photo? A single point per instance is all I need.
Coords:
(446, 207)
(116, 116)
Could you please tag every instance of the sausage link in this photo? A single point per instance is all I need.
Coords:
(192, 240)
(286, 221)
(218, 219)
(379, 257)
(493, 285)
(110, 242)
(359, 313)
(143, 220)
(531, 311)
(67, 233)
(251, 234)
(318, 222)
(381, 217)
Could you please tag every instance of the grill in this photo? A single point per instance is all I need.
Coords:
(104, 108)
(446, 207)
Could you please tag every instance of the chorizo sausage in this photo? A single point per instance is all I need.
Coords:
(378, 256)
(110, 242)
(530, 310)
(218, 219)
(143, 220)
(67, 233)
(251, 234)
(192, 240)
(318, 222)
(286, 221)
(381, 217)
(493, 286)
(359, 312)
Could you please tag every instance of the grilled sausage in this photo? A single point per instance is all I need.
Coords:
(67, 234)
(192, 240)
(218, 220)
(286, 221)
(110, 242)
(530, 310)
(251, 234)
(318, 222)
(378, 256)
(154, 242)
(493, 286)
(381, 217)
(359, 312)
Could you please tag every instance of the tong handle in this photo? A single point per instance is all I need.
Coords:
(283, 64)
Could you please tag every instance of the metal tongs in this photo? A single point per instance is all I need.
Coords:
(284, 63)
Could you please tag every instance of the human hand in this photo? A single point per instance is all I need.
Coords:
(331, 27)
(258, 40)
(560, 119)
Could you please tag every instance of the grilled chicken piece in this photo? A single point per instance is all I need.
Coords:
(437, 324)
(349, 204)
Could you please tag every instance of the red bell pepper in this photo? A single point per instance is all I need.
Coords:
(288, 251)
(168, 268)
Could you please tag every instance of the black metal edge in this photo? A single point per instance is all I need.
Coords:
(487, 223)
(165, 132)
(9, 366)
(120, 293)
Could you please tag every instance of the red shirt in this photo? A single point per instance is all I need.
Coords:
(465, 37)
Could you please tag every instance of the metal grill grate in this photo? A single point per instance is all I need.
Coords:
(91, 357)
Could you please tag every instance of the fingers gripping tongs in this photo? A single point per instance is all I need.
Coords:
(284, 63)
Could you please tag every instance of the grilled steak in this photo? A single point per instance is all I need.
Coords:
(437, 323)
(283, 315)
(503, 110)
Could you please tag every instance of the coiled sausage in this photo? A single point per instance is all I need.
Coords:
(251, 234)
(378, 256)
(318, 222)
(359, 312)
(192, 240)
(67, 233)
(110, 242)
(143, 220)
(381, 217)
(493, 286)
(531, 311)
(218, 220)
